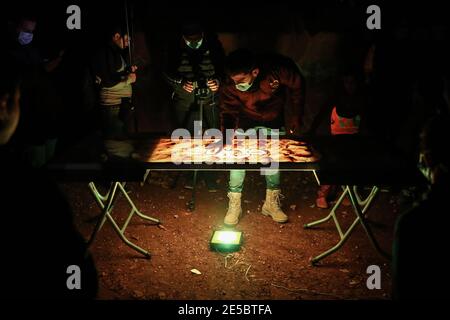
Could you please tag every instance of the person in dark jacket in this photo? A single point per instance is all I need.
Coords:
(420, 243)
(114, 77)
(194, 71)
(261, 91)
(265, 90)
(38, 130)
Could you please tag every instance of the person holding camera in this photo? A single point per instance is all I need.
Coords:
(114, 78)
(194, 69)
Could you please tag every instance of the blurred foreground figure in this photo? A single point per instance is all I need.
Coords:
(420, 244)
(40, 240)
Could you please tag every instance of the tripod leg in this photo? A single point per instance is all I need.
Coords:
(191, 203)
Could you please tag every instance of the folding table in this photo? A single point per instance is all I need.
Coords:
(106, 203)
(360, 207)
(351, 161)
(85, 162)
(345, 161)
(155, 153)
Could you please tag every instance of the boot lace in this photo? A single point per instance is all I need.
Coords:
(277, 198)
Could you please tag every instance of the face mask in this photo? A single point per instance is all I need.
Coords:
(244, 86)
(194, 44)
(25, 38)
(424, 169)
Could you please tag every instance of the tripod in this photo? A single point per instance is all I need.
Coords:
(200, 99)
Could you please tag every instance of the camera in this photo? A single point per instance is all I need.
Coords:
(202, 89)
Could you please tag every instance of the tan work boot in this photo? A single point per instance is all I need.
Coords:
(272, 205)
(234, 209)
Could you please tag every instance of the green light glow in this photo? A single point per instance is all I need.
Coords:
(227, 237)
(226, 240)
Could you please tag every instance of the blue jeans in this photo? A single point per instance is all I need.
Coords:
(237, 178)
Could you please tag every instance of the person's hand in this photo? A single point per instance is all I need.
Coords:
(131, 78)
(188, 86)
(293, 128)
(213, 85)
(9, 115)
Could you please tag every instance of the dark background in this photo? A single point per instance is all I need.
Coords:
(321, 36)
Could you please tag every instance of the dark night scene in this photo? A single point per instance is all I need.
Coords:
(219, 159)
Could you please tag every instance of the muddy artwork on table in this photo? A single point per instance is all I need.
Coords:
(213, 151)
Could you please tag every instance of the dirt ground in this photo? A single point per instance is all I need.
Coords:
(273, 263)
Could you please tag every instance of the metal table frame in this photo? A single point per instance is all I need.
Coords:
(360, 207)
(106, 204)
(191, 203)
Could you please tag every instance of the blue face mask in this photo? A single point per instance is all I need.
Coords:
(25, 38)
(194, 44)
(244, 86)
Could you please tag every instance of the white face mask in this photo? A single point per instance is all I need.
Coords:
(424, 169)
(244, 86)
(194, 44)
(25, 38)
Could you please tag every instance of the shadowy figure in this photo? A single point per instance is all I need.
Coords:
(114, 77)
(419, 270)
(41, 105)
(39, 237)
(345, 117)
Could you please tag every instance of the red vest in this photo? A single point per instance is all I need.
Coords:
(341, 125)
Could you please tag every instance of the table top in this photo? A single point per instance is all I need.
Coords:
(214, 154)
(344, 159)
